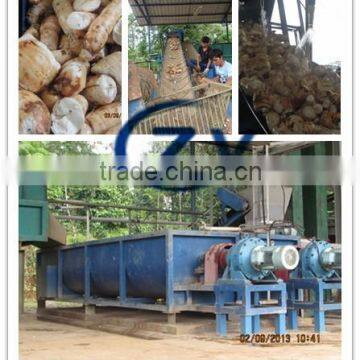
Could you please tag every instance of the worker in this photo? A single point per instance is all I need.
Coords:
(203, 62)
(223, 69)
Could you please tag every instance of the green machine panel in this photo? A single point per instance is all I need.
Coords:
(33, 192)
(33, 220)
(33, 214)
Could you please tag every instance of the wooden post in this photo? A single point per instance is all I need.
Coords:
(129, 224)
(171, 319)
(87, 223)
(21, 280)
(90, 310)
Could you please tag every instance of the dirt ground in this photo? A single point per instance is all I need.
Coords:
(40, 340)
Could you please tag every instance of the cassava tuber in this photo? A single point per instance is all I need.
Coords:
(116, 33)
(40, 8)
(100, 90)
(104, 118)
(72, 43)
(78, 20)
(102, 26)
(72, 78)
(33, 30)
(49, 32)
(85, 129)
(34, 116)
(86, 5)
(37, 65)
(63, 8)
(49, 97)
(62, 55)
(68, 115)
(114, 130)
(109, 65)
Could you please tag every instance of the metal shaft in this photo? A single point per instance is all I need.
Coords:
(330, 258)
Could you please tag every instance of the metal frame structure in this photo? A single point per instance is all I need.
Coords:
(318, 304)
(251, 9)
(128, 220)
(250, 310)
(174, 12)
(170, 12)
(306, 12)
(318, 279)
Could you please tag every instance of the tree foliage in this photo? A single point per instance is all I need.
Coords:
(136, 196)
(139, 37)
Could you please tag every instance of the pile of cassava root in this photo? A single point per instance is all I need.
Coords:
(294, 96)
(70, 68)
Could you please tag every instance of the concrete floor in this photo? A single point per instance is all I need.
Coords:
(42, 340)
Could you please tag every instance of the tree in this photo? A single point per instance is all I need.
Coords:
(138, 37)
(144, 197)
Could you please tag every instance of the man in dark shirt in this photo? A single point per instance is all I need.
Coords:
(203, 62)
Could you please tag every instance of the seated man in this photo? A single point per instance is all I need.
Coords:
(203, 63)
(223, 69)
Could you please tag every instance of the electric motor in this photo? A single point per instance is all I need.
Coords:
(275, 257)
(320, 259)
(253, 259)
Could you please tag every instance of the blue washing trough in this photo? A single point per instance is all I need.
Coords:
(149, 271)
(156, 271)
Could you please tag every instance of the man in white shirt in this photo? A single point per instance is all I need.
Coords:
(223, 69)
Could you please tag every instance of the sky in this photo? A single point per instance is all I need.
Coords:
(328, 34)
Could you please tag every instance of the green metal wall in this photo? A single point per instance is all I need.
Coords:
(33, 214)
(309, 203)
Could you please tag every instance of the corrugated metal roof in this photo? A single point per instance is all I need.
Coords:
(168, 12)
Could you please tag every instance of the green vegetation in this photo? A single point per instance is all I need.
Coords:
(138, 37)
(142, 197)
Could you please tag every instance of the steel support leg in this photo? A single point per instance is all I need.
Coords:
(319, 316)
(221, 326)
(21, 280)
(280, 324)
(41, 304)
(292, 314)
(256, 326)
(171, 318)
(292, 319)
(90, 310)
(319, 319)
(246, 325)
